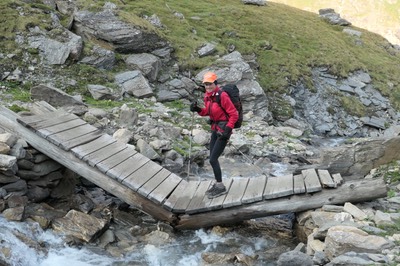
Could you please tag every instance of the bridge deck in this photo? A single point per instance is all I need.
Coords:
(124, 164)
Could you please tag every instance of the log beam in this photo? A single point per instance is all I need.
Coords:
(352, 191)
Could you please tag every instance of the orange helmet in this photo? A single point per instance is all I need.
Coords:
(209, 77)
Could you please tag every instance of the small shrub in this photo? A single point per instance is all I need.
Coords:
(16, 109)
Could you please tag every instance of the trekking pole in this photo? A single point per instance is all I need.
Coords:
(190, 144)
(245, 156)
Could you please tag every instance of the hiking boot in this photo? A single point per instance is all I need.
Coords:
(211, 189)
(217, 191)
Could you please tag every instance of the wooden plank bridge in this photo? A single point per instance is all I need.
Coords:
(121, 170)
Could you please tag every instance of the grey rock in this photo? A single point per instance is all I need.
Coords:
(79, 225)
(57, 51)
(294, 258)
(124, 37)
(100, 58)
(255, 2)
(53, 96)
(100, 92)
(134, 83)
(148, 64)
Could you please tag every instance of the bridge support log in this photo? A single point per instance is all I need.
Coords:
(352, 191)
(9, 123)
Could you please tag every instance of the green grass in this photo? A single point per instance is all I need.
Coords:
(17, 91)
(391, 229)
(16, 108)
(300, 41)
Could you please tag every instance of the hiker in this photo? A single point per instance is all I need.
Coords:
(223, 117)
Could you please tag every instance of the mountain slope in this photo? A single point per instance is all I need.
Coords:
(287, 42)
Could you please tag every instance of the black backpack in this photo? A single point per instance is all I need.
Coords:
(233, 92)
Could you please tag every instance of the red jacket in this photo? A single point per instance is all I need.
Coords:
(216, 113)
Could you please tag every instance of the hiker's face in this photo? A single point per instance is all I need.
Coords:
(209, 86)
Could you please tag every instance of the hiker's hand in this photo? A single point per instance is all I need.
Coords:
(194, 107)
(226, 134)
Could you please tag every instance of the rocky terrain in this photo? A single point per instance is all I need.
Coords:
(137, 69)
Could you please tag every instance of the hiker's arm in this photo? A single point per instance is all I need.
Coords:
(230, 109)
(204, 111)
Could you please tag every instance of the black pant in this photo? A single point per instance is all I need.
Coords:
(217, 146)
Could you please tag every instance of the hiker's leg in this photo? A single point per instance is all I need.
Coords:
(214, 137)
(216, 150)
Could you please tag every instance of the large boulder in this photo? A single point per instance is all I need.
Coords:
(125, 38)
(343, 239)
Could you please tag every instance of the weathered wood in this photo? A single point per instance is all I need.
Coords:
(127, 167)
(154, 182)
(176, 195)
(311, 180)
(104, 153)
(279, 186)
(236, 192)
(72, 143)
(298, 184)
(52, 120)
(199, 199)
(116, 159)
(41, 107)
(160, 193)
(337, 178)
(142, 175)
(44, 132)
(352, 191)
(9, 123)
(255, 189)
(97, 144)
(73, 134)
(26, 120)
(325, 178)
(185, 197)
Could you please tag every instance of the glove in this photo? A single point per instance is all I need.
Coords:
(194, 107)
(226, 134)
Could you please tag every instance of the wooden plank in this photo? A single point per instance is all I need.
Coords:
(116, 159)
(311, 180)
(41, 107)
(236, 192)
(52, 121)
(72, 143)
(298, 184)
(104, 153)
(70, 134)
(136, 179)
(125, 168)
(337, 178)
(160, 193)
(280, 186)
(186, 196)
(97, 144)
(26, 120)
(325, 178)
(216, 203)
(176, 195)
(198, 201)
(154, 182)
(255, 189)
(44, 132)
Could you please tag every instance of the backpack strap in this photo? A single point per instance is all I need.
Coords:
(218, 101)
